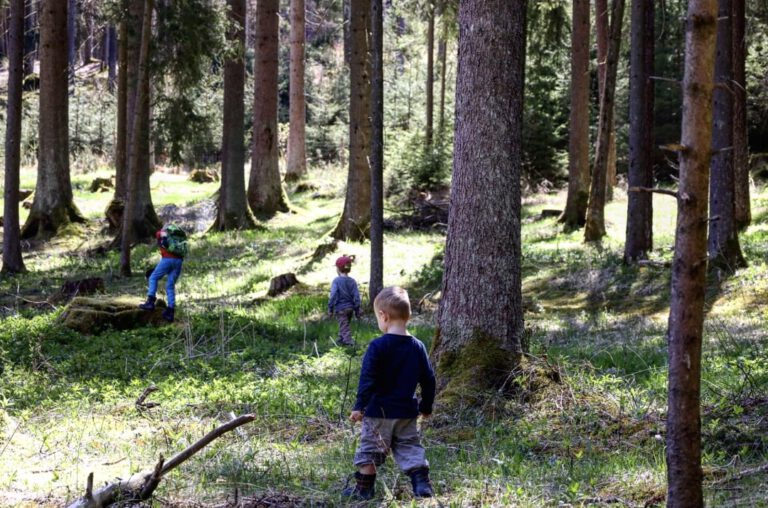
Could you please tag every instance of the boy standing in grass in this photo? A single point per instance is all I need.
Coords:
(345, 299)
(173, 247)
(393, 366)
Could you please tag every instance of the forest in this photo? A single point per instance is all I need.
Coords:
(210, 207)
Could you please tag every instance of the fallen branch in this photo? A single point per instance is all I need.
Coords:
(654, 190)
(742, 474)
(141, 485)
(140, 404)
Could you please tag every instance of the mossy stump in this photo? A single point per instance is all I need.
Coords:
(92, 315)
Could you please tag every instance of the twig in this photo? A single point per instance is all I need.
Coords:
(742, 474)
(655, 190)
(669, 80)
(154, 480)
(140, 404)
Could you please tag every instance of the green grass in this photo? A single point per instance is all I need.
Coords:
(584, 426)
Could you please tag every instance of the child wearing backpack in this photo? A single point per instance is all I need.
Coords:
(173, 247)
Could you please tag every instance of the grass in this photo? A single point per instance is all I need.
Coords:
(585, 426)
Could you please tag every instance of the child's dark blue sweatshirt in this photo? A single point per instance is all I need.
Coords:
(392, 367)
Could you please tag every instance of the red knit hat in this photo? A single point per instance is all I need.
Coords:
(344, 261)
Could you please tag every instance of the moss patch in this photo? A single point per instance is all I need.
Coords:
(92, 315)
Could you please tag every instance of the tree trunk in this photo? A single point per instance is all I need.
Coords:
(639, 236)
(442, 54)
(743, 214)
(111, 54)
(377, 151)
(72, 39)
(430, 77)
(356, 217)
(575, 211)
(595, 225)
(53, 206)
(602, 31)
(724, 249)
(265, 191)
(88, 39)
(481, 314)
(139, 218)
(233, 212)
(296, 166)
(12, 258)
(30, 39)
(114, 212)
(686, 315)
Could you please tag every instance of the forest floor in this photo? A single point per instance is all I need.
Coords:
(591, 435)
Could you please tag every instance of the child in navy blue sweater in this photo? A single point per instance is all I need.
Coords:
(393, 366)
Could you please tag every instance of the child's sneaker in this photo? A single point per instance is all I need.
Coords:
(149, 304)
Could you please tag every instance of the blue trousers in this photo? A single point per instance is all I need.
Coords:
(172, 268)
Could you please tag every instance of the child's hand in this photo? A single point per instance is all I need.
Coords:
(356, 416)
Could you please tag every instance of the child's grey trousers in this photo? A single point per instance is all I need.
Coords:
(398, 435)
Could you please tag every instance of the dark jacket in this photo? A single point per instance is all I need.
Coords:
(393, 366)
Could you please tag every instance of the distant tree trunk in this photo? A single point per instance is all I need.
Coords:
(724, 249)
(743, 215)
(595, 225)
(428, 131)
(88, 38)
(31, 16)
(296, 166)
(72, 39)
(639, 237)
(686, 315)
(265, 191)
(356, 218)
(111, 52)
(481, 315)
(53, 206)
(575, 211)
(442, 55)
(233, 212)
(12, 258)
(139, 218)
(114, 212)
(377, 150)
(602, 28)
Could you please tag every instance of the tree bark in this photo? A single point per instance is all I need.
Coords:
(114, 212)
(481, 316)
(233, 211)
(12, 258)
(139, 218)
(296, 166)
(743, 215)
(88, 39)
(356, 218)
(111, 54)
(595, 225)
(686, 315)
(53, 206)
(377, 151)
(265, 190)
(639, 235)
(72, 39)
(30, 36)
(724, 249)
(430, 100)
(442, 55)
(602, 21)
(575, 211)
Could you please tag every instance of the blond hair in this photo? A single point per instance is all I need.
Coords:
(394, 302)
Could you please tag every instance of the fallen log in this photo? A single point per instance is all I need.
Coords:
(140, 486)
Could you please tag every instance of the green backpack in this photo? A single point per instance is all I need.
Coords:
(176, 240)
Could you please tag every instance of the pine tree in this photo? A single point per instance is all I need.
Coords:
(296, 163)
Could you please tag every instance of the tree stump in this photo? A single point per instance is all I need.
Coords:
(203, 176)
(282, 283)
(92, 315)
(82, 287)
(101, 185)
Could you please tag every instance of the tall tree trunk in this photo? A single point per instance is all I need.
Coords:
(88, 38)
(136, 219)
(686, 314)
(114, 212)
(356, 218)
(442, 55)
(12, 259)
(595, 225)
(743, 214)
(296, 165)
(724, 249)
(72, 39)
(265, 190)
(639, 236)
(575, 211)
(377, 151)
(428, 131)
(30, 39)
(233, 212)
(111, 51)
(481, 314)
(602, 30)
(53, 206)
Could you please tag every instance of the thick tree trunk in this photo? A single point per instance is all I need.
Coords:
(12, 259)
(481, 314)
(111, 57)
(139, 218)
(595, 225)
(743, 215)
(639, 236)
(53, 206)
(686, 315)
(377, 151)
(575, 211)
(233, 212)
(724, 249)
(356, 218)
(430, 101)
(265, 190)
(602, 21)
(296, 165)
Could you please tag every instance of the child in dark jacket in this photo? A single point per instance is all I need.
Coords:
(345, 299)
(393, 366)
(170, 265)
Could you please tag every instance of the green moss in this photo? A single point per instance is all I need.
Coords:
(92, 315)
